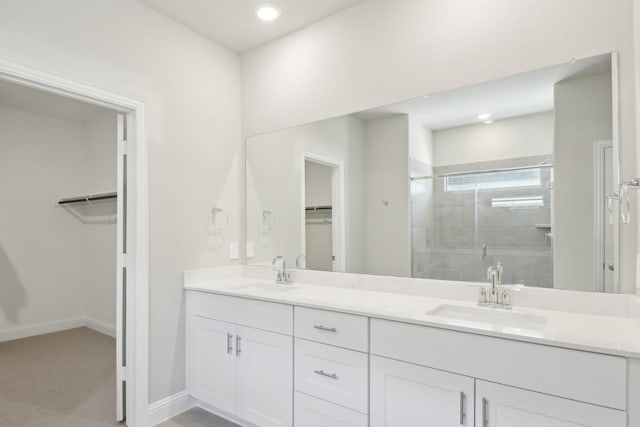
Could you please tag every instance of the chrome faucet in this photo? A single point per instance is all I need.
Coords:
(496, 297)
(284, 276)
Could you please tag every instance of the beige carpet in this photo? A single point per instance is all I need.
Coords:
(65, 379)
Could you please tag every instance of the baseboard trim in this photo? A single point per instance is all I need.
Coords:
(100, 326)
(169, 407)
(11, 334)
(20, 332)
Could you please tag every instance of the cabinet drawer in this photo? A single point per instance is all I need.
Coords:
(329, 327)
(268, 316)
(578, 375)
(313, 412)
(333, 374)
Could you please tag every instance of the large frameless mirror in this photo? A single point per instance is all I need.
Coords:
(522, 171)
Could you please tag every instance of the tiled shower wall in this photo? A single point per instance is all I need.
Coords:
(449, 229)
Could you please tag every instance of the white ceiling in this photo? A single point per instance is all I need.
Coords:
(233, 23)
(515, 96)
(36, 101)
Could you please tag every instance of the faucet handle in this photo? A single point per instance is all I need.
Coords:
(505, 300)
(499, 271)
(483, 299)
(490, 272)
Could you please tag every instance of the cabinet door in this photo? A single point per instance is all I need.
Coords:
(502, 406)
(407, 395)
(265, 377)
(212, 363)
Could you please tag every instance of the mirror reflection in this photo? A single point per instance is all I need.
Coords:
(520, 171)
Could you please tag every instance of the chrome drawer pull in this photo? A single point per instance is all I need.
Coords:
(238, 351)
(485, 419)
(463, 416)
(229, 343)
(324, 374)
(324, 328)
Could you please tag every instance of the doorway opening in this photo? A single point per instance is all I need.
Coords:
(323, 234)
(73, 247)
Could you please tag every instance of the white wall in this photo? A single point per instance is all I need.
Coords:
(54, 267)
(192, 91)
(583, 116)
(345, 63)
(317, 184)
(420, 149)
(100, 176)
(524, 136)
(41, 245)
(387, 188)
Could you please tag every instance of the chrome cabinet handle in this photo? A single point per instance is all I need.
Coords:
(324, 328)
(229, 343)
(463, 416)
(238, 351)
(485, 420)
(324, 374)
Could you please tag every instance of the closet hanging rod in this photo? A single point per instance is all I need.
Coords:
(88, 198)
(319, 208)
(481, 171)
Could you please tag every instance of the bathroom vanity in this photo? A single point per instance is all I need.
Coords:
(350, 354)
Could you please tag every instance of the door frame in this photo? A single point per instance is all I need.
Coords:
(600, 220)
(137, 259)
(338, 228)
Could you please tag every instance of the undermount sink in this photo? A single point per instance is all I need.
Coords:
(496, 318)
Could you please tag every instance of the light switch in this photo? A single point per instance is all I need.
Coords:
(233, 250)
(249, 248)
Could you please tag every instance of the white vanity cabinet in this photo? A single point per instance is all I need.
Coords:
(403, 394)
(237, 368)
(547, 386)
(331, 369)
(502, 406)
(271, 364)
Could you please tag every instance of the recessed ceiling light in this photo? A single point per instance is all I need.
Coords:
(268, 12)
(488, 122)
(484, 116)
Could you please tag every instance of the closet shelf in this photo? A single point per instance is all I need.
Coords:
(89, 198)
(318, 208)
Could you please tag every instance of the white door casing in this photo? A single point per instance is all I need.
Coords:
(137, 230)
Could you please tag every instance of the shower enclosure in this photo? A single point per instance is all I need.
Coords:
(465, 218)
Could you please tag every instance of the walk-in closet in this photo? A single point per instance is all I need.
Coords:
(59, 228)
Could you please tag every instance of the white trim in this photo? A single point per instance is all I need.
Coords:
(20, 332)
(615, 115)
(10, 334)
(137, 220)
(600, 193)
(169, 407)
(339, 237)
(100, 326)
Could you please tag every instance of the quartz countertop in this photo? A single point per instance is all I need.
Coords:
(580, 331)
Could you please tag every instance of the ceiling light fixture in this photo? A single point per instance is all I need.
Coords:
(488, 122)
(268, 12)
(484, 116)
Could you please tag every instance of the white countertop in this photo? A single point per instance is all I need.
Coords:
(589, 332)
